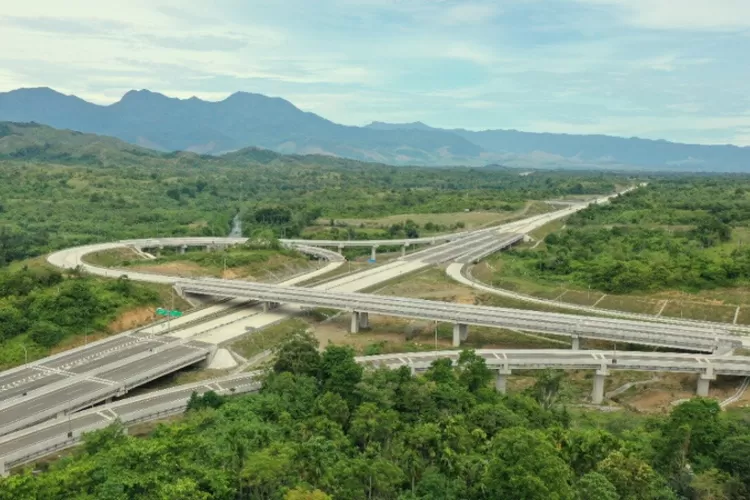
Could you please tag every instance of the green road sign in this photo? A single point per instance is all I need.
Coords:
(166, 312)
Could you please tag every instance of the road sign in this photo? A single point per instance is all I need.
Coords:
(166, 312)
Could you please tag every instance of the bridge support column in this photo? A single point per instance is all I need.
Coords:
(460, 332)
(183, 249)
(403, 251)
(704, 382)
(373, 253)
(341, 249)
(3, 471)
(501, 382)
(597, 394)
(267, 306)
(364, 320)
(209, 248)
(576, 344)
(158, 250)
(354, 327)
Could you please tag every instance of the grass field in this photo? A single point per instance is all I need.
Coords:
(259, 265)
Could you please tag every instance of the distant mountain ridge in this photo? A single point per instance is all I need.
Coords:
(242, 120)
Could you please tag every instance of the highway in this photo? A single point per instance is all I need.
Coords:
(68, 381)
(461, 272)
(39, 385)
(28, 444)
(692, 337)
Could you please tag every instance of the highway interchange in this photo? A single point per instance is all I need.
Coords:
(59, 385)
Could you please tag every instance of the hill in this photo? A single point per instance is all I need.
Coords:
(156, 121)
(242, 120)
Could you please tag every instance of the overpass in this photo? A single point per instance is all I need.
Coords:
(81, 386)
(702, 339)
(38, 391)
(34, 442)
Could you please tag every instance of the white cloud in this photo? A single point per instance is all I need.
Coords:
(684, 14)
(470, 13)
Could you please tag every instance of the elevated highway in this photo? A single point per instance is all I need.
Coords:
(461, 315)
(38, 389)
(34, 442)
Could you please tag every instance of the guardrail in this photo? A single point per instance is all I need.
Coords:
(74, 435)
(665, 335)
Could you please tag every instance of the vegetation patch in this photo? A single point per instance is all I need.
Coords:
(323, 426)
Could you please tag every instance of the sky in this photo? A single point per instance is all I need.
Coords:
(661, 69)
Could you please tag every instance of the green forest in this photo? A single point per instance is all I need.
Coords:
(60, 188)
(676, 233)
(324, 426)
(41, 307)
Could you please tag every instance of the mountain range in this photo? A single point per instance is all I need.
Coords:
(155, 121)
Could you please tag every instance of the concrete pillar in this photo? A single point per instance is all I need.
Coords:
(597, 394)
(158, 250)
(373, 253)
(267, 306)
(354, 328)
(704, 382)
(364, 320)
(341, 249)
(403, 251)
(460, 332)
(501, 382)
(3, 471)
(183, 249)
(209, 248)
(576, 343)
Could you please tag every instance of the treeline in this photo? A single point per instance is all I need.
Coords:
(40, 307)
(676, 201)
(323, 427)
(672, 234)
(624, 259)
(47, 204)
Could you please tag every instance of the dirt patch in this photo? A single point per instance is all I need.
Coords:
(78, 341)
(132, 319)
(185, 269)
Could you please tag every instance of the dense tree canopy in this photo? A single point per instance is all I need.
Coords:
(673, 234)
(322, 427)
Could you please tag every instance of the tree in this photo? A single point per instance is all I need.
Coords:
(339, 372)
(298, 355)
(333, 407)
(208, 399)
(547, 387)
(472, 371)
(693, 433)
(595, 486)
(733, 456)
(633, 478)
(585, 448)
(46, 334)
(524, 464)
(300, 493)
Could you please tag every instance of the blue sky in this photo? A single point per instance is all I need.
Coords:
(671, 69)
